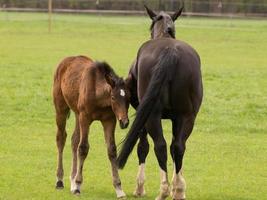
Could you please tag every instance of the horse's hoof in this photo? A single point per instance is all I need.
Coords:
(138, 194)
(77, 192)
(177, 197)
(161, 198)
(59, 185)
(122, 198)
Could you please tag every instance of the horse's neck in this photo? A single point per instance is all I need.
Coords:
(159, 35)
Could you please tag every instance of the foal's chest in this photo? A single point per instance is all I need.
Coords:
(102, 113)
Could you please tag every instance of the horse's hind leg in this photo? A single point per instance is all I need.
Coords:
(109, 129)
(178, 185)
(62, 112)
(142, 151)
(75, 139)
(182, 128)
(82, 150)
(154, 128)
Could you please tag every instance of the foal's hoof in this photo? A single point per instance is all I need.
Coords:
(59, 185)
(77, 192)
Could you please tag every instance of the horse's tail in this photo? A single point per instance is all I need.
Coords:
(163, 69)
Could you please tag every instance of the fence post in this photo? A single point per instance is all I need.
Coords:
(49, 15)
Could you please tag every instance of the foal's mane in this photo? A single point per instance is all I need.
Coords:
(107, 70)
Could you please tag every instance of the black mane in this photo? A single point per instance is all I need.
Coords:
(106, 69)
(154, 21)
(157, 18)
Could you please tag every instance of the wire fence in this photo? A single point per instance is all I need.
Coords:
(200, 7)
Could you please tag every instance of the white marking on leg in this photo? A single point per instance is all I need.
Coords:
(72, 184)
(76, 186)
(59, 179)
(140, 190)
(141, 174)
(178, 185)
(163, 176)
(120, 193)
(164, 186)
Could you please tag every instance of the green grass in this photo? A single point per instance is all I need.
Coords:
(226, 153)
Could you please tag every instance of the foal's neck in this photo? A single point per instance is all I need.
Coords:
(103, 95)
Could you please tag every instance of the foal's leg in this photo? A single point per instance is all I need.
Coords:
(182, 128)
(82, 151)
(75, 139)
(142, 151)
(61, 117)
(154, 128)
(109, 129)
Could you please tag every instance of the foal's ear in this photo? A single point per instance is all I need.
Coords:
(175, 15)
(150, 12)
(110, 80)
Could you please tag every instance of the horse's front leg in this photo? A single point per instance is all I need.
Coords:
(82, 151)
(109, 129)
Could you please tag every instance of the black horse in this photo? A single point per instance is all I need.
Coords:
(166, 81)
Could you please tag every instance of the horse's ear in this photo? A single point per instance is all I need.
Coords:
(177, 14)
(110, 80)
(150, 12)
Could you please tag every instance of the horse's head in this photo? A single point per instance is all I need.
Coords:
(119, 97)
(163, 23)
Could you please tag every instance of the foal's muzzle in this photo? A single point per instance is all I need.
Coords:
(124, 123)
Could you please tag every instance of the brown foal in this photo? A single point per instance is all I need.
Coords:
(92, 91)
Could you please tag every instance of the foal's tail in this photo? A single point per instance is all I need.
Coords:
(163, 69)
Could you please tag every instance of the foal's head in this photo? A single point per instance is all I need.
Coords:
(119, 95)
(163, 23)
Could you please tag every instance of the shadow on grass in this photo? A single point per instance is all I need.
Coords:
(221, 197)
(106, 195)
(101, 194)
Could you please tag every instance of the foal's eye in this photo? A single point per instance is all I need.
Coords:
(112, 98)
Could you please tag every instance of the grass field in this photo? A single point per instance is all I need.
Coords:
(226, 157)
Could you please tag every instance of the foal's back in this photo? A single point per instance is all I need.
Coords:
(74, 74)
